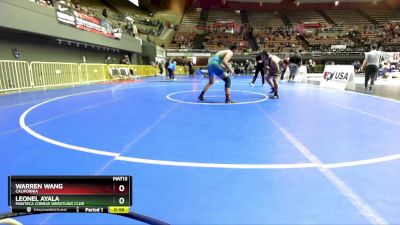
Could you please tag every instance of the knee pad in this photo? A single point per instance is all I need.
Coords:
(227, 81)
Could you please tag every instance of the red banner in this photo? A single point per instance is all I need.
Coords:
(69, 16)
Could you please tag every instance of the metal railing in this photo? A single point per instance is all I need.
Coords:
(21, 75)
(180, 70)
(15, 75)
(50, 74)
(93, 72)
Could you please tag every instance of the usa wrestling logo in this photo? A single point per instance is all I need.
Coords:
(336, 76)
(328, 75)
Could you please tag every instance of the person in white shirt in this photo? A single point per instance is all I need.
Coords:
(371, 65)
(134, 30)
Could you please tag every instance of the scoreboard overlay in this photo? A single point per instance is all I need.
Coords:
(88, 194)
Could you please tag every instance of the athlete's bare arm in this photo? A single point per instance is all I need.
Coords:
(225, 61)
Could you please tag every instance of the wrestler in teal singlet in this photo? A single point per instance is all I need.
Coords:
(214, 66)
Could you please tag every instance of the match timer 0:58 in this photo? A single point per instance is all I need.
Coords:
(118, 209)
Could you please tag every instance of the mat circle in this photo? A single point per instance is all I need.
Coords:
(196, 102)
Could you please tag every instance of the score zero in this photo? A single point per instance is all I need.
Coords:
(121, 187)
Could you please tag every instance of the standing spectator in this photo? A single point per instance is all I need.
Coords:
(129, 27)
(371, 65)
(171, 70)
(105, 23)
(126, 60)
(78, 7)
(191, 70)
(134, 30)
(105, 13)
(160, 67)
(313, 66)
(246, 67)
(241, 69)
(118, 29)
(166, 68)
(108, 60)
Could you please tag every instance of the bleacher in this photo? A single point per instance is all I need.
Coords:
(306, 16)
(323, 41)
(260, 20)
(219, 38)
(219, 41)
(383, 16)
(183, 40)
(271, 33)
(347, 16)
(186, 33)
(223, 16)
(190, 18)
(277, 39)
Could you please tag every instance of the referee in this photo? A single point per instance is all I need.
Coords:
(371, 66)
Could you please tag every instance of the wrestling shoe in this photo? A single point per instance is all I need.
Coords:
(272, 91)
(229, 101)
